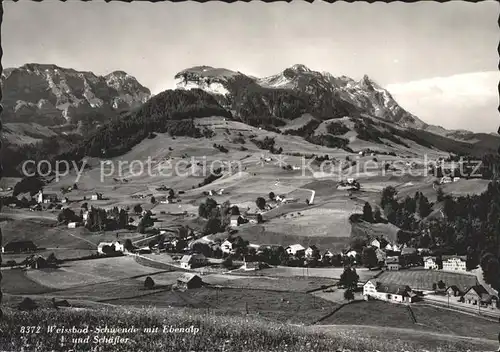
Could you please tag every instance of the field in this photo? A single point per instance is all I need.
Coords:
(87, 272)
(333, 273)
(15, 282)
(216, 333)
(378, 313)
(423, 279)
(290, 307)
(292, 284)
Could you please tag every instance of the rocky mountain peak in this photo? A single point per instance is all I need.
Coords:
(52, 95)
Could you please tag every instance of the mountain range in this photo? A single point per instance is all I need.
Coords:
(51, 95)
(45, 101)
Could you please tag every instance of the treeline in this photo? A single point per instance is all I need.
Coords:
(267, 143)
(15, 155)
(306, 130)
(367, 132)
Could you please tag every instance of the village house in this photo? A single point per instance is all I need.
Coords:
(388, 247)
(312, 251)
(380, 255)
(193, 260)
(478, 295)
(375, 243)
(254, 218)
(252, 266)
(118, 247)
(351, 253)
(446, 179)
(73, 225)
(235, 220)
(295, 249)
(96, 196)
(328, 254)
(65, 200)
(392, 263)
(430, 263)
(227, 247)
(454, 291)
(42, 197)
(188, 281)
(454, 263)
(388, 292)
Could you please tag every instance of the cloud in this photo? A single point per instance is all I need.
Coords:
(465, 101)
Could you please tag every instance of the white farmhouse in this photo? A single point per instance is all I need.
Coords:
(430, 263)
(454, 263)
(117, 245)
(375, 243)
(294, 249)
(72, 225)
(446, 179)
(388, 292)
(227, 247)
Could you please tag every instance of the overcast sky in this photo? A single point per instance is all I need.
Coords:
(396, 44)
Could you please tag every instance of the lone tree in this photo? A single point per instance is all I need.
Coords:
(128, 245)
(153, 200)
(440, 194)
(228, 263)
(137, 209)
(261, 203)
(441, 285)
(349, 278)
(348, 295)
(149, 283)
(369, 257)
(271, 195)
(367, 212)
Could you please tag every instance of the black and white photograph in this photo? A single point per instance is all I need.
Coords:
(250, 176)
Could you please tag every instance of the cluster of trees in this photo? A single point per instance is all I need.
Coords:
(220, 147)
(218, 217)
(98, 219)
(214, 175)
(306, 130)
(336, 128)
(29, 185)
(15, 155)
(372, 216)
(470, 227)
(267, 143)
(369, 133)
(405, 213)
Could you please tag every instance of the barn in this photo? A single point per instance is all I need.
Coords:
(188, 281)
(19, 247)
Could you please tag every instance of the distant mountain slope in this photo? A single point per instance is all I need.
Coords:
(299, 90)
(52, 95)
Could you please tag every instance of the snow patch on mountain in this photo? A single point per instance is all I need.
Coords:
(210, 87)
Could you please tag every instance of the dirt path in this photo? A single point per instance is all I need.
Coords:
(83, 239)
